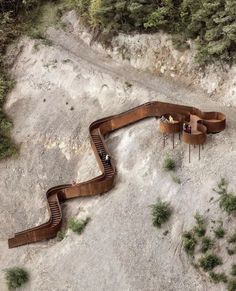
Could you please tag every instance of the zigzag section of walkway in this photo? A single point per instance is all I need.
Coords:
(201, 123)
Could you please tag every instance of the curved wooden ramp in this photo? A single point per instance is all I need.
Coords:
(201, 122)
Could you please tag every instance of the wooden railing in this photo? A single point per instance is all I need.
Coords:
(203, 122)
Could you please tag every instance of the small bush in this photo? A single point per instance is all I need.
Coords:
(209, 262)
(16, 277)
(169, 164)
(7, 147)
(222, 187)
(230, 251)
(232, 238)
(61, 235)
(233, 270)
(231, 286)
(78, 226)
(218, 277)
(161, 212)
(36, 34)
(176, 179)
(219, 232)
(199, 219)
(5, 86)
(227, 200)
(207, 244)
(228, 203)
(200, 228)
(189, 242)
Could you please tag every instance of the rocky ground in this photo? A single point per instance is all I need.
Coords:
(60, 90)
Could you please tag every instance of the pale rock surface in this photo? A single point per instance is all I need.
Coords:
(120, 249)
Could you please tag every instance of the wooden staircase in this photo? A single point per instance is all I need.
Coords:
(105, 181)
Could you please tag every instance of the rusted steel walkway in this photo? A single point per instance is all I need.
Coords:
(201, 123)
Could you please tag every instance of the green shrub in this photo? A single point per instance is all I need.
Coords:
(233, 270)
(78, 226)
(176, 179)
(227, 200)
(219, 232)
(5, 124)
(218, 277)
(169, 164)
(81, 6)
(222, 186)
(207, 244)
(231, 286)
(232, 238)
(161, 212)
(7, 147)
(200, 227)
(230, 251)
(209, 262)
(5, 86)
(228, 203)
(36, 34)
(189, 242)
(61, 235)
(16, 277)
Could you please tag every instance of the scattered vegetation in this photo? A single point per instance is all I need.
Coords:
(228, 203)
(218, 277)
(128, 84)
(219, 232)
(61, 235)
(78, 226)
(227, 200)
(232, 238)
(222, 186)
(233, 270)
(230, 251)
(209, 262)
(207, 244)
(16, 277)
(161, 212)
(176, 179)
(231, 286)
(200, 227)
(195, 242)
(169, 164)
(7, 147)
(189, 242)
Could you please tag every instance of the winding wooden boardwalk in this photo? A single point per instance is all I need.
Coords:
(201, 123)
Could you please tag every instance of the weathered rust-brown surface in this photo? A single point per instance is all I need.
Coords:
(201, 123)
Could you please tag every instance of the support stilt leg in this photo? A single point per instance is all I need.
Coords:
(164, 140)
(189, 153)
(173, 140)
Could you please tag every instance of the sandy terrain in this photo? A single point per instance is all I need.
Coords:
(60, 90)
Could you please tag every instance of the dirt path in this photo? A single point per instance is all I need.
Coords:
(170, 89)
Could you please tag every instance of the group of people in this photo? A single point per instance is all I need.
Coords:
(187, 128)
(167, 120)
